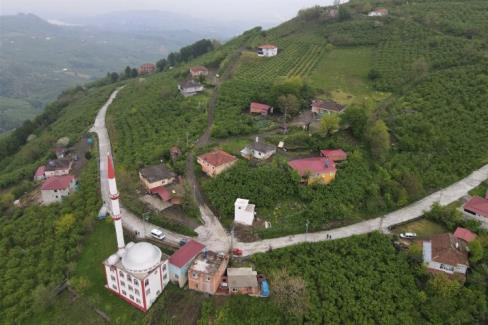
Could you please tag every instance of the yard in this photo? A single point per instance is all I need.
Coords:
(422, 227)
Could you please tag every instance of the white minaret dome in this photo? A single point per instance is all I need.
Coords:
(141, 257)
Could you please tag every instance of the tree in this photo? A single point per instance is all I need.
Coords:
(357, 118)
(378, 139)
(475, 251)
(161, 65)
(289, 105)
(134, 73)
(344, 13)
(329, 123)
(127, 72)
(420, 68)
(65, 223)
(290, 293)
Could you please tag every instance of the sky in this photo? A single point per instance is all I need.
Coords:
(222, 10)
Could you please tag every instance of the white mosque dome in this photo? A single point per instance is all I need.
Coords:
(141, 257)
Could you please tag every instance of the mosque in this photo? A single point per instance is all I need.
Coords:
(137, 272)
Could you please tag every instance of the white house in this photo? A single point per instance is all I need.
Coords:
(379, 12)
(190, 88)
(244, 212)
(55, 188)
(258, 150)
(137, 273)
(267, 50)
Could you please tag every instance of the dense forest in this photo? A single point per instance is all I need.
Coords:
(360, 280)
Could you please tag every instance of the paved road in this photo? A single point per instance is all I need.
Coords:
(129, 220)
(216, 238)
(413, 211)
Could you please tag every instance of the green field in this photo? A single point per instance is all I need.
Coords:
(15, 111)
(343, 72)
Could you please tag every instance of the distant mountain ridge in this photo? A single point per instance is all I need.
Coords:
(40, 59)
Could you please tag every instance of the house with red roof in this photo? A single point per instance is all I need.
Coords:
(262, 109)
(334, 154)
(464, 234)
(55, 188)
(198, 71)
(477, 208)
(146, 68)
(215, 162)
(181, 260)
(314, 170)
(267, 50)
(40, 173)
(446, 253)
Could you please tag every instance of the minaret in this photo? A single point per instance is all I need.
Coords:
(114, 200)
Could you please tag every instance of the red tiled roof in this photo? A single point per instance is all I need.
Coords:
(57, 182)
(267, 46)
(162, 192)
(186, 253)
(198, 69)
(334, 154)
(477, 205)
(259, 108)
(40, 171)
(217, 158)
(447, 249)
(316, 165)
(464, 234)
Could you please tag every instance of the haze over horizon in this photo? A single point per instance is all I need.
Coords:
(251, 11)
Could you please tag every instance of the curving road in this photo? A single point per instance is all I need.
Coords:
(415, 210)
(216, 238)
(129, 220)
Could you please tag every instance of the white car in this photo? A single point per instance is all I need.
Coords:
(408, 235)
(156, 233)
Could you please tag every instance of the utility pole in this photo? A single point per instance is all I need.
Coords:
(145, 217)
(306, 230)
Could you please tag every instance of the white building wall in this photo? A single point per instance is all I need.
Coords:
(53, 196)
(242, 215)
(154, 288)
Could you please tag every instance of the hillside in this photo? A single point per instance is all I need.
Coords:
(39, 60)
(414, 86)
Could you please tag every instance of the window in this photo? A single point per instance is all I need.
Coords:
(121, 274)
(165, 276)
(129, 278)
(148, 291)
(158, 292)
(194, 274)
(138, 301)
(208, 278)
(146, 282)
(136, 292)
(131, 297)
(176, 276)
(136, 283)
(130, 288)
(124, 293)
(112, 277)
(122, 283)
(164, 267)
(114, 286)
(234, 289)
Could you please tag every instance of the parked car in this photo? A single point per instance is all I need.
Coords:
(237, 252)
(183, 242)
(158, 234)
(408, 235)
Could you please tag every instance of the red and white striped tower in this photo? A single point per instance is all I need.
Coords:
(114, 200)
